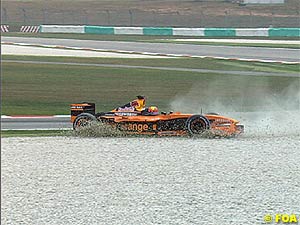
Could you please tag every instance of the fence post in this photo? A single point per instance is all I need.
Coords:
(202, 21)
(226, 18)
(108, 16)
(154, 18)
(4, 15)
(44, 16)
(251, 20)
(131, 17)
(24, 16)
(86, 20)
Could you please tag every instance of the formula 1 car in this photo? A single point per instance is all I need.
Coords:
(161, 124)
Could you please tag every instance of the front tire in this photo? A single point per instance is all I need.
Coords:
(83, 120)
(197, 124)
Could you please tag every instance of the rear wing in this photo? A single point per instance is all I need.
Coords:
(84, 107)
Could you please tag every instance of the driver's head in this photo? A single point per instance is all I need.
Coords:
(153, 110)
(140, 97)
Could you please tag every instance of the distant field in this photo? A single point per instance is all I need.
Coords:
(49, 89)
(164, 6)
(209, 13)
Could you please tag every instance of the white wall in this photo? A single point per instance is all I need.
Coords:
(62, 29)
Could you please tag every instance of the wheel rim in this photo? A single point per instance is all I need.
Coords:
(83, 122)
(197, 126)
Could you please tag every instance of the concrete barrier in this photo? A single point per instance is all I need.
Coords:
(4, 28)
(61, 29)
(158, 31)
(219, 32)
(99, 30)
(284, 32)
(189, 31)
(129, 30)
(252, 32)
(30, 29)
(205, 32)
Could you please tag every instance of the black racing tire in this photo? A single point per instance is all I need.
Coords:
(197, 124)
(83, 120)
(99, 114)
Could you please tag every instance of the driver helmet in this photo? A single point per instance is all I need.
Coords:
(153, 110)
(140, 97)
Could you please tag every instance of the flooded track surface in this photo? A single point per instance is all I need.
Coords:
(117, 180)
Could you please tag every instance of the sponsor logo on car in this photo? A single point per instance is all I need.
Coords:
(140, 127)
(222, 121)
(76, 107)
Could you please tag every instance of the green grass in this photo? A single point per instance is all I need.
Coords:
(156, 39)
(194, 63)
(33, 133)
(49, 89)
(86, 36)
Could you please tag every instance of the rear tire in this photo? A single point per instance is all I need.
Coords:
(83, 120)
(212, 113)
(197, 124)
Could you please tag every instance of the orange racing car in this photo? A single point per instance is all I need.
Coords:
(161, 124)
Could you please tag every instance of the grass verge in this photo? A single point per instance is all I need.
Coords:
(34, 133)
(193, 63)
(45, 89)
